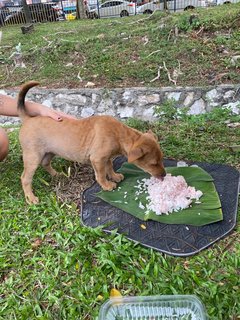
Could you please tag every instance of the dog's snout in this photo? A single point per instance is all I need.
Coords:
(164, 174)
(161, 176)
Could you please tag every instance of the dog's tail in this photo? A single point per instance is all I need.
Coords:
(21, 98)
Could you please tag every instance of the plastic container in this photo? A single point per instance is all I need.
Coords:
(174, 307)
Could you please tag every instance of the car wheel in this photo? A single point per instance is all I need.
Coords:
(189, 8)
(148, 11)
(124, 13)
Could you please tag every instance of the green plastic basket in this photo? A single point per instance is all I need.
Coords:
(175, 307)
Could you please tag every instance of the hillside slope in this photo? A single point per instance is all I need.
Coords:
(194, 48)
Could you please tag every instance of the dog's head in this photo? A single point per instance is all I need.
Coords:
(147, 155)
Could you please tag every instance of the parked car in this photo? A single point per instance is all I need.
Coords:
(40, 12)
(225, 1)
(171, 5)
(113, 9)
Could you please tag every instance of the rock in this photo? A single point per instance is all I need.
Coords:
(211, 95)
(189, 99)
(229, 94)
(198, 107)
(233, 106)
(148, 113)
(148, 99)
(47, 103)
(126, 112)
(87, 112)
(235, 60)
(104, 105)
(173, 96)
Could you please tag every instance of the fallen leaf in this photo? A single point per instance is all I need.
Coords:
(235, 148)
(90, 85)
(36, 244)
(233, 125)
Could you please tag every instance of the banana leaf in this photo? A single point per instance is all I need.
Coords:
(199, 214)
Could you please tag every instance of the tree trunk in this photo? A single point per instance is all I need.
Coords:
(26, 11)
(81, 10)
(165, 5)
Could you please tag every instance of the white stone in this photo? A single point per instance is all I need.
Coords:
(87, 112)
(104, 105)
(125, 112)
(47, 103)
(234, 60)
(148, 99)
(71, 98)
(173, 95)
(94, 98)
(233, 106)
(213, 104)
(189, 99)
(229, 94)
(148, 114)
(198, 107)
(211, 95)
(69, 109)
(110, 112)
(127, 95)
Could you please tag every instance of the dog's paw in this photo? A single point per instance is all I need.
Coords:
(31, 199)
(109, 186)
(117, 177)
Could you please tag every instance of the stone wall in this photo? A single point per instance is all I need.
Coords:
(132, 102)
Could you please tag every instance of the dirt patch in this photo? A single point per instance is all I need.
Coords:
(69, 187)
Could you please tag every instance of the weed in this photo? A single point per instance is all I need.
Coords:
(168, 111)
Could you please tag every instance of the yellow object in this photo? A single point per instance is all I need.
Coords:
(115, 293)
(70, 16)
(99, 297)
(143, 226)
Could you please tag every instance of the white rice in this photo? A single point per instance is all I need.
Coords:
(167, 195)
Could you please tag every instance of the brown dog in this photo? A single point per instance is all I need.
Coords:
(96, 139)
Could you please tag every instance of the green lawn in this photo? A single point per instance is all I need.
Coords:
(52, 267)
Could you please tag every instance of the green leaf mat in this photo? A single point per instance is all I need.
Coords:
(199, 214)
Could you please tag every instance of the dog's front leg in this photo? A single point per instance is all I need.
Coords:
(112, 175)
(100, 169)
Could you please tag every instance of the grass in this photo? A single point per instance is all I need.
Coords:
(127, 52)
(52, 267)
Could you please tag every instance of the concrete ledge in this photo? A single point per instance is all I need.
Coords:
(139, 103)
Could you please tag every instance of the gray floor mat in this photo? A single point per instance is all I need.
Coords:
(177, 240)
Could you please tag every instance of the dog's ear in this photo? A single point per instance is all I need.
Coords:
(152, 134)
(135, 154)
